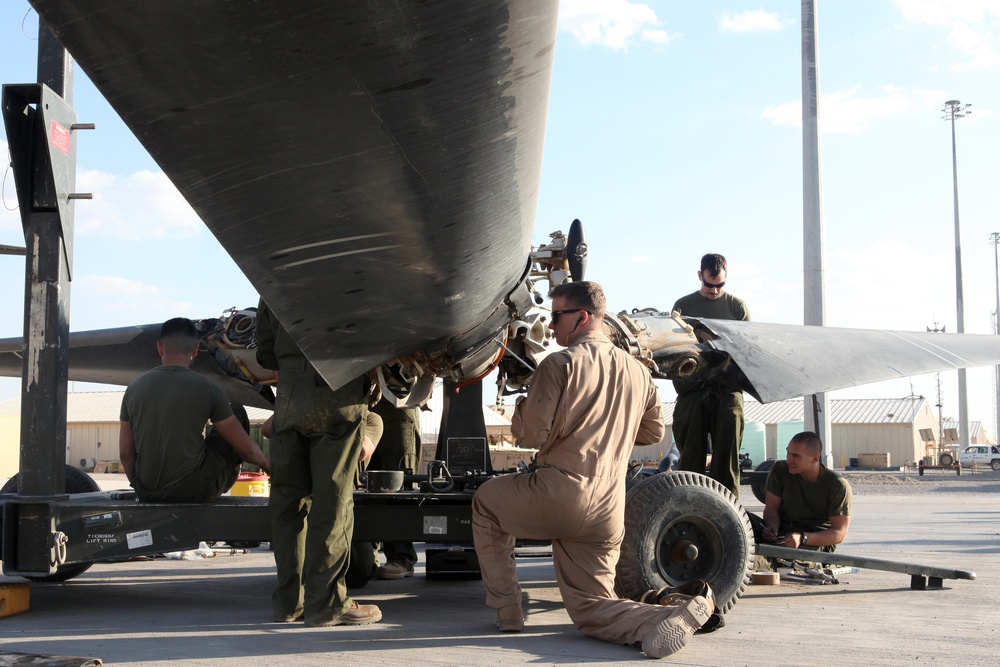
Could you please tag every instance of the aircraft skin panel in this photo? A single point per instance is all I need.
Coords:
(783, 361)
(371, 166)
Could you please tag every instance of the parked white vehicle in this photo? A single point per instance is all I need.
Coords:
(980, 455)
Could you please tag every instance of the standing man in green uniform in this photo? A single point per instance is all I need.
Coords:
(707, 409)
(163, 415)
(397, 450)
(317, 441)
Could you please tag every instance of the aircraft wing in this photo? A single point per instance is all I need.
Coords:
(783, 361)
(774, 362)
(373, 169)
(118, 356)
(371, 166)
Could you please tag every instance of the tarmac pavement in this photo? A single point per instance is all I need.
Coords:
(216, 611)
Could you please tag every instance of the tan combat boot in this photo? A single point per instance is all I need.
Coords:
(510, 618)
(672, 633)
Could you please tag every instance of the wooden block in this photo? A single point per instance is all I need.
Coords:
(101, 467)
(14, 598)
(765, 578)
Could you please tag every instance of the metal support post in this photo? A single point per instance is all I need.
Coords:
(40, 127)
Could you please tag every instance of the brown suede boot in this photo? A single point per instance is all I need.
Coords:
(510, 618)
(670, 596)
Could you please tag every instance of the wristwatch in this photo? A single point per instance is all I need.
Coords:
(805, 540)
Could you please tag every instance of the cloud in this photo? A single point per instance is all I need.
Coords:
(124, 296)
(967, 23)
(136, 206)
(615, 24)
(943, 12)
(849, 112)
(853, 300)
(756, 20)
(140, 205)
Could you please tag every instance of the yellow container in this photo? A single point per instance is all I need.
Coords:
(14, 598)
(251, 484)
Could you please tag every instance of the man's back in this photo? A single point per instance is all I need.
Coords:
(167, 409)
(599, 402)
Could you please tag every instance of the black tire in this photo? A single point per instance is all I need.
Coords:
(946, 459)
(635, 475)
(362, 567)
(685, 511)
(759, 488)
(995, 464)
(77, 481)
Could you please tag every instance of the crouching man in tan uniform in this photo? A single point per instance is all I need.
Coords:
(587, 406)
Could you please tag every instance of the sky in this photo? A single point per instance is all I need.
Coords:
(674, 129)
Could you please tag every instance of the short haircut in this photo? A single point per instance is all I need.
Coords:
(810, 440)
(713, 263)
(178, 335)
(583, 294)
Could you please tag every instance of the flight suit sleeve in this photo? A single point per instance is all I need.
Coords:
(651, 428)
(534, 415)
(265, 337)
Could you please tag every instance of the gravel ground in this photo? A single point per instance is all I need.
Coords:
(933, 481)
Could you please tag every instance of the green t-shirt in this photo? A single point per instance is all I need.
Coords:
(808, 506)
(167, 409)
(726, 307)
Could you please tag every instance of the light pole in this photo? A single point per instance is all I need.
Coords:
(816, 408)
(995, 240)
(940, 405)
(954, 109)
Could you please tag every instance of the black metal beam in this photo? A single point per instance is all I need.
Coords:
(40, 123)
(103, 526)
(837, 558)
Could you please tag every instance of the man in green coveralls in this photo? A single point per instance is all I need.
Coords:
(317, 441)
(397, 450)
(705, 408)
(163, 415)
(808, 506)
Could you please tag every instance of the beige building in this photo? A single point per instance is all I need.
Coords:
(906, 429)
(91, 429)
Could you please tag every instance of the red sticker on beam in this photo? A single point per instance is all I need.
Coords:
(59, 137)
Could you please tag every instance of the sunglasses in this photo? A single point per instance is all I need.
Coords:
(557, 313)
(713, 285)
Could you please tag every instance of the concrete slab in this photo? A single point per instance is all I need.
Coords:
(216, 612)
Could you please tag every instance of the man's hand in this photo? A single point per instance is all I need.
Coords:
(769, 535)
(367, 449)
(232, 431)
(792, 540)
